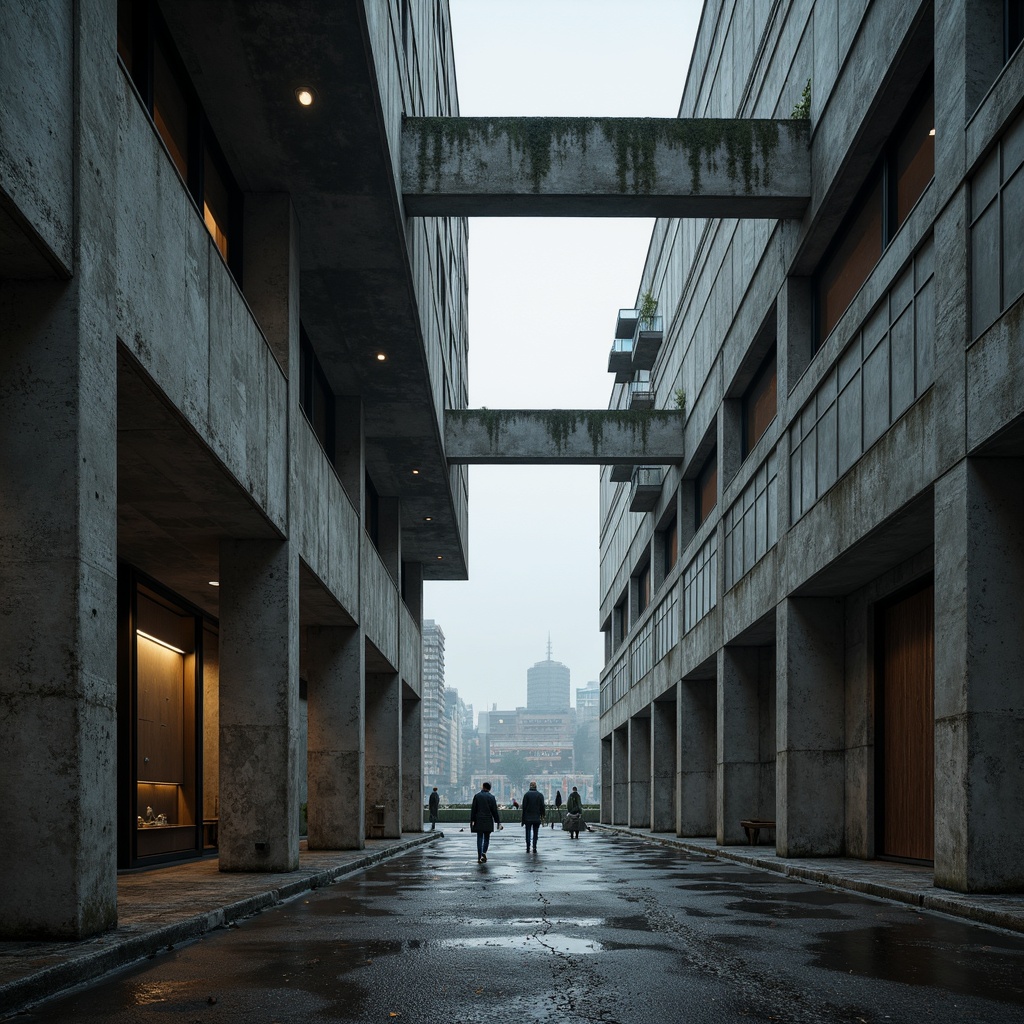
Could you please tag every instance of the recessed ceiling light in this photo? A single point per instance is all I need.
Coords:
(214, 583)
(428, 519)
(415, 472)
(439, 557)
(932, 132)
(305, 95)
(381, 357)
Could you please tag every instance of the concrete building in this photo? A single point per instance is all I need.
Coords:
(587, 738)
(226, 355)
(816, 617)
(547, 685)
(434, 717)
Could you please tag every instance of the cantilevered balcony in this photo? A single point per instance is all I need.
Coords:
(625, 323)
(620, 359)
(621, 473)
(646, 489)
(647, 341)
(641, 390)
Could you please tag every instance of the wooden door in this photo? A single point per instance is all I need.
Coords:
(906, 726)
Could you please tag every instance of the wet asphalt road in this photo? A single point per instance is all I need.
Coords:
(604, 929)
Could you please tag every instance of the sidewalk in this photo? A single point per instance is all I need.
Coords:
(889, 880)
(166, 906)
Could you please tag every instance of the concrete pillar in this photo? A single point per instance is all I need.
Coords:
(384, 750)
(606, 780)
(412, 763)
(979, 664)
(811, 727)
(697, 748)
(259, 706)
(640, 773)
(664, 805)
(335, 676)
(58, 516)
(739, 743)
(620, 776)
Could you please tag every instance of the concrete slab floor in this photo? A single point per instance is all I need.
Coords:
(169, 905)
(903, 883)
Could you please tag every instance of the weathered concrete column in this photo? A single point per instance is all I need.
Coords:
(384, 750)
(664, 806)
(697, 757)
(620, 776)
(58, 478)
(412, 764)
(811, 727)
(335, 697)
(640, 773)
(739, 727)
(259, 706)
(979, 664)
(606, 780)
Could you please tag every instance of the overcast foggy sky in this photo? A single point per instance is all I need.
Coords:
(543, 295)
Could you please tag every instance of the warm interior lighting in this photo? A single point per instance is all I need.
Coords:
(381, 357)
(214, 583)
(162, 643)
(415, 472)
(305, 96)
(932, 132)
(428, 519)
(439, 557)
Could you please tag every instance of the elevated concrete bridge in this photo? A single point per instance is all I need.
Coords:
(604, 167)
(565, 436)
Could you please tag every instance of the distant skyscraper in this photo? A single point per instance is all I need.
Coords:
(547, 685)
(435, 739)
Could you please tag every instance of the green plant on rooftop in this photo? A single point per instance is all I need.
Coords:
(802, 110)
(680, 399)
(648, 309)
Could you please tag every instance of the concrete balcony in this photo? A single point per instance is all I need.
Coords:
(646, 489)
(641, 394)
(620, 358)
(622, 473)
(647, 342)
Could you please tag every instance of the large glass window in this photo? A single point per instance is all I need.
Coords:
(760, 402)
(706, 486)
(902, 174)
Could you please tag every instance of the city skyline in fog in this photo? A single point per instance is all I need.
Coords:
(543, 295)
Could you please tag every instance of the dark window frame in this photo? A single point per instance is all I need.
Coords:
(708, 475)
(754, 391)
(315, 391)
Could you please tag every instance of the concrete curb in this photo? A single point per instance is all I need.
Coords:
(977, 909)
(125, 950)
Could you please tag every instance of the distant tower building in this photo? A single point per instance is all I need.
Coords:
(547, 685)
(434, 722)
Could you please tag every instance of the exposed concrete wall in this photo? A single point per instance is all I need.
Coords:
(664, 801)
(698, 745)
(606, 780)
(811, 719)
(379, 603)
(335, 696)
(37, 155)
(620, 776)
(259, 706)
(58, 574)
(639, 785)
(412, 765)
(979, 662)
(182, 316)
(384, 751)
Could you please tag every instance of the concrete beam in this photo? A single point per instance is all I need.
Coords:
(563, 436)
(604, 167)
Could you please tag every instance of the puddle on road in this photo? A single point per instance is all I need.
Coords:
(550, 943)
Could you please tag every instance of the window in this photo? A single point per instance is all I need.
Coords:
(145, 48)
(706, 486)
(371, 518)
(316, 399)
(643, 589)
(671, 545)
(759, 402)
(997, 229)
(899, 179)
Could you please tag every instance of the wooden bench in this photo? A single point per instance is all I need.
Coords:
(753, 827)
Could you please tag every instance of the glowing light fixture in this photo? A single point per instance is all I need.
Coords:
(932, 132)
(305, 95)
(381, 357)
(162, 643)
(428, 519)
(214, 583)
(439, 557)
(415, 472)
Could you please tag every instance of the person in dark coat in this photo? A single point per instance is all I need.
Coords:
(433, 803)
(483, 819)
(574, 814)
(558, 807)
(533, 815)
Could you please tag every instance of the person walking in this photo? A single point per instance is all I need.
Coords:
(483, 819)
(574, 813)
(433, 803)
(558, 807)
(532, 815)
